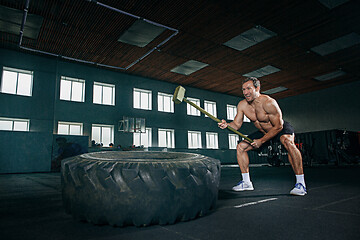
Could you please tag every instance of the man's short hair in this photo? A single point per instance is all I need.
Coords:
(255, 81)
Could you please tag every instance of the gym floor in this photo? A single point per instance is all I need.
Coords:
(31, 208)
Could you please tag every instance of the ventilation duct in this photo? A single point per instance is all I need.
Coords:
(337, 44)
(267, 70)
(275, 90)
(330, 76)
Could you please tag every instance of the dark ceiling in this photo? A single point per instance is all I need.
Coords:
(80, 30)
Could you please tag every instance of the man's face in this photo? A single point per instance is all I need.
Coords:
(249, 91)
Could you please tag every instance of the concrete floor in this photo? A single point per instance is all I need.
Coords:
(31, 208)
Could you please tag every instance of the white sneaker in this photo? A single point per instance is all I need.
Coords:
(298, 190)
(243, 186)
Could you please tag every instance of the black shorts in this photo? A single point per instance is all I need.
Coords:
(287, 129)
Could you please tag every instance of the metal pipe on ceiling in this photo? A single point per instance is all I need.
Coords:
(94, 63)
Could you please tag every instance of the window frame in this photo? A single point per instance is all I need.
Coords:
(230, 136)
(149, 95)
(72, 80)
(102, 85)
(147, 134)
(161, 97)
(17, 71)
(216, 142)
(101, 130)
(172, 134)
(190, 110)
(230, 108)
(69, 129)
(13, 120)
(191, 144)
(212, 111)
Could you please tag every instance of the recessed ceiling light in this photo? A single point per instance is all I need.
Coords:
(332, 3)
(267, 70)
(189, 67)
(337, 44)
(275, 90)
(11, 19)
(141, 33)
(250, 38)
(330, 76)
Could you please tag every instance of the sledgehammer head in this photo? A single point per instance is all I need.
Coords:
(179, 95)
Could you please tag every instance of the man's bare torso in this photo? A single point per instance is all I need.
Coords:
(257, 114)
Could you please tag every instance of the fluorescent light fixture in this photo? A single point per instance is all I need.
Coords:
(267, 70)
(275, 90)
(189, 67)
(141, 33)
(337, 44)
(11, 19)
(250, 38)
(332, 3)
(330, 76)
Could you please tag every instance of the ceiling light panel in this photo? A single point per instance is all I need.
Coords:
(332, 3)
(330, 76)
(250, 38)
(189, 67)
(337, 44)
(275, 90)
(141, 33)
(11, 19)
(267, 70)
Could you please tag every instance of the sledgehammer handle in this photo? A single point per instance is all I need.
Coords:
(215, 119)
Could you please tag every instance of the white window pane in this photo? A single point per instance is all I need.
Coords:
(65, 90)
(63, 129)
(136, 137)
(106, 136)
(107, 95)
(75, 129)
(136, 99)
(24, 84)
(166, 105)
(8, 84)
(144, 100)
(77, 92)
(162, 138)
(97, 94)
(20, 126)
(96, 134)
(160, 103)
(6, 125)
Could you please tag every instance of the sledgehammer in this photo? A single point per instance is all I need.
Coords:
(179, 96)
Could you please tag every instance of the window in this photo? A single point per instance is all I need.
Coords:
(142, 99)
(194, 139)
(143, 139)
(12, 124)
(212, 140)
(246, 119)
(231, 112)
(104, 93)
(70, 128)
(72, 89)
(165, 103)
(103, 134)
(210, 107)
(190, 109)
(166, 138)
(233, 141)
(16, 81)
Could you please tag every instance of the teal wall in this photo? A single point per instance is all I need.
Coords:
(44, 109)
(332, 108)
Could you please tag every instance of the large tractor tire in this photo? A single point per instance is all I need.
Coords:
(139, 188)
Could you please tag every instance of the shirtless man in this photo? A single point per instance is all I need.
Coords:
(266, 115)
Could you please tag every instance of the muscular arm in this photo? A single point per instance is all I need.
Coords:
(275, 116)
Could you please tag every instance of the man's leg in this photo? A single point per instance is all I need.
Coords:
(295, 160)
(243, 161)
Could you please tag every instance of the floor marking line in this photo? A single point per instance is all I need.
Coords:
(336, 202)
(325, 186)
(254, 203)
